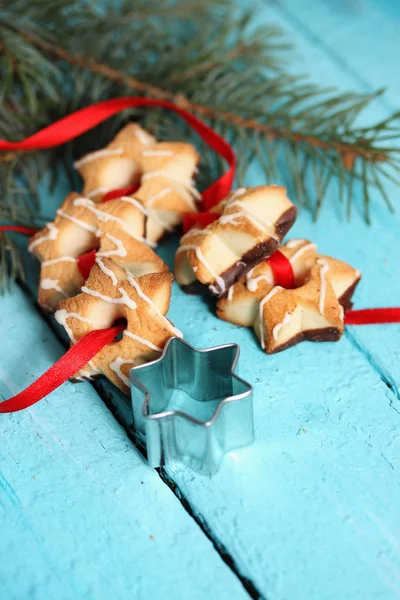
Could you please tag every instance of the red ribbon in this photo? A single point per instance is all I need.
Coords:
(283, 275)
(281, 269)
(79, 122)
(73, 125)
(18, 229)
(120, 192)
(86, 262)
(372, 316)
(203, 219)
(67, 366)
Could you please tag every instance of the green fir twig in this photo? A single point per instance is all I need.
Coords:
(204, 55)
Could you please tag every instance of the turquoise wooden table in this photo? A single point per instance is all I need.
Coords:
(312, 510)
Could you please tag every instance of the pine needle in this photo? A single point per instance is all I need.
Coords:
(56, 57)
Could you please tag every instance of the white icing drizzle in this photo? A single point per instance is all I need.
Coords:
(162, 223)
(142, 341)
(143, 136)
(94, 368)
(99, 190)
(101, 215)
(86, 374)
(124, 299)
(98, 154)
(231, 218)
(120, 248)
(154, 213)
(294, 243)
(286, 319)
(302, 251)
(155, 197)
(322, 273)
(52, 284)
(135, 203)
(194, 191)
(116, 367)
(143, 296)
(157, 153)
(78, 222)
(252, 282)
(261, 309)
(62, 316)
(237, 193)
(188, 160)
(249, 274)
(104, 217)
(51, 236)
(341, 312)
(106, 270)
(230, 293)
(184, 182)
(195, 231)
(54, 261)
(219, 280)
(159, 172)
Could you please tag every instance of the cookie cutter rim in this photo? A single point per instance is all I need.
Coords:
(165, 414)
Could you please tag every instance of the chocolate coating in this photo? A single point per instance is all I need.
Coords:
(256, 255)
(329, 334)
(248, 261)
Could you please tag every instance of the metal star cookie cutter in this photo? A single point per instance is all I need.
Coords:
(204, 381)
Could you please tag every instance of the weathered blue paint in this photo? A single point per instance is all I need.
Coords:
(81, 514)
(310, 512)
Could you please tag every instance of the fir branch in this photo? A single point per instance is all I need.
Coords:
(350, 151)
(60, 56)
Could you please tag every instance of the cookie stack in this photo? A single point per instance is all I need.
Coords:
(229, 258)
(99, 265)
(116, 237)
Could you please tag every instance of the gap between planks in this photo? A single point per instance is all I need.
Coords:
(106, 398)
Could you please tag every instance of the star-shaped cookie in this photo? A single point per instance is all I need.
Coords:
(250, 226)
(162, 171)
(309, 312)
(241, 304)
(111, 293)
(115, 229)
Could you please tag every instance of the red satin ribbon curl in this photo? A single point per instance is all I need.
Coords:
(120, 192)
(281, 269)
(79, 122)
(67, 366)
(86, 262)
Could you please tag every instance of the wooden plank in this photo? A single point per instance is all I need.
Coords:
(310, 511)
(360, 36)
(322, 443)
(318, 493)
(81, 515)
(314, 497)
(351, 45)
